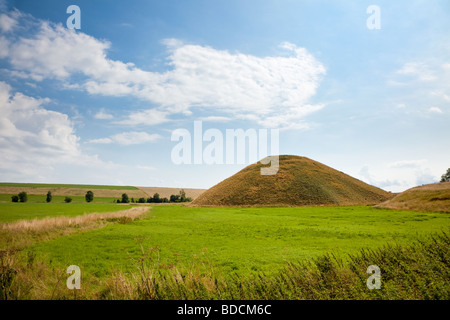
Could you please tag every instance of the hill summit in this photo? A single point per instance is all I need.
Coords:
(300, 181)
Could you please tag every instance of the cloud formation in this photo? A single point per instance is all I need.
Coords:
(128, 138)
(31, 135)
(273, 91)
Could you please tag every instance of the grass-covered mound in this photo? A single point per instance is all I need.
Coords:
(431, 197)
(299, 182)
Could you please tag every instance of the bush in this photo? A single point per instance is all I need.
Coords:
(49, 197)
(125, 198)
(89, 196)
(67, 199)
(141, 200)
(23, 197)
(15, 199)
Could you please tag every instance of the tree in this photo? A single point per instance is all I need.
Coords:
(125, 198)
(15, 199)
(49, 197)
(446, 176)
(175, 198)
(89, 196)
(141, 200)
(23, 197)
(67, 199)
(156, 198)
(182, 195)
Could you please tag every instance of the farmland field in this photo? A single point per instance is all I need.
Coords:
(208, 244)
(241, 240)
(16, 211)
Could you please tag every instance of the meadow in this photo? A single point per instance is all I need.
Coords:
(214, 253)
(240, 240)
(16, 211)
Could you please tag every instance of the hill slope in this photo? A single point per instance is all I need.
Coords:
(99, 190)
(430, 197)
(299, 182)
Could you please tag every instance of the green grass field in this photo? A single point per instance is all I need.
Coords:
(16, 211)
(239, 240)
(48, 185)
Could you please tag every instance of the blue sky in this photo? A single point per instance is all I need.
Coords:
(98, 105)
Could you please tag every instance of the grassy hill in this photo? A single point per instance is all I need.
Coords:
(431, 197)
(79, 190)
(300, 181)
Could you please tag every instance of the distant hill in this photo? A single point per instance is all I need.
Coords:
(431, 197)
(300, 181)
(99, 190)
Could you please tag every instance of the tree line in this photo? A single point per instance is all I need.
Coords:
(23, 197)
(174, 198)
(89, 197)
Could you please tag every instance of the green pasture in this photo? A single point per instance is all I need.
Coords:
(239, 240)
(11, 211)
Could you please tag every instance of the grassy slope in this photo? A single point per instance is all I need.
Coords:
(75, 190)
(299, 182)
(432, 197)
(240, 239)
(79, 186)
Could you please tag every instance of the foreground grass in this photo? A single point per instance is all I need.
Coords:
(238, 240)
(20, 234)
(420, 270)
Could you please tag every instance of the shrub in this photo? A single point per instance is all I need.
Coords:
(67, 199)
(49, 197)
(89, 196)
(23, 197)
(15, 199)
(125, 198)
(141, 200)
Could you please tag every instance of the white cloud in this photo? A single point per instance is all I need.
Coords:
(274, 89)
(101, 141)
(215, 119)
(148, 117)
(419, 70)
(31, 136)
(40, 145)
(103, 115)
(8, 22)
(128, 138)
(407, 164)
(435, 110)
(402, 174)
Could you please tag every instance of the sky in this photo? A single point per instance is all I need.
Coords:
(100, 104)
